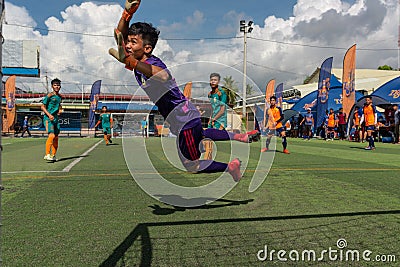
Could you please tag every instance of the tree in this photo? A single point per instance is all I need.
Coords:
(231, 89)
(249, 89)
(385, 67)
(230, 83)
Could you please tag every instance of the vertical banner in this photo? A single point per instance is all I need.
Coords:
(258, 116)
(94, 98)
(10, 101)
(279, 95)
(348, 80)
(269, 91)
(187, 90)
(323, 90)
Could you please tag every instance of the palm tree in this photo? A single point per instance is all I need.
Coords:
(231, 89)
(249, 89)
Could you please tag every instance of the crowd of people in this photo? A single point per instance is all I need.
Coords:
(364, 124)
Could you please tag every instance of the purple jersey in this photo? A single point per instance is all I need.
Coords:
(178, 111)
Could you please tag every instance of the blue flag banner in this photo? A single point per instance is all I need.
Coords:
(279, 95)
(259, 118)
(94, 99)
(323, 90)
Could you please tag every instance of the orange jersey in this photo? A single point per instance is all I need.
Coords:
(356, 119)
(331, 120)
(369, 115)
(275, 117)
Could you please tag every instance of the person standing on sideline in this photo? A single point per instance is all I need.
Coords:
(356, 125)
(219, 101)
(342, 123)
(371, 120)
(308, 121)
(143, 127)
(332, 122)
(25, 127)
(51, 106)
(396, 123)
(106, 123)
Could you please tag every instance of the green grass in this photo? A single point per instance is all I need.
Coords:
(96, 214)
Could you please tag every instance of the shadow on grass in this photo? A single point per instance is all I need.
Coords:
(157, 210)
(67, 158)
(141, 232)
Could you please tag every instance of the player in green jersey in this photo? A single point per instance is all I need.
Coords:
(51, 106)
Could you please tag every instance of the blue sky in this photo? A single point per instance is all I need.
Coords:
(160, 12)
(291, 38)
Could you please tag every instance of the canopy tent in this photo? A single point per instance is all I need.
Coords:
(334, 100)
(389, 91)
(376, 100)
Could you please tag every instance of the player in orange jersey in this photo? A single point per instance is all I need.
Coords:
(275, 117)
(369, 116)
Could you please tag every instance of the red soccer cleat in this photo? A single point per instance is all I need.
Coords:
(286, 151)
(264, 149)
(254, 135)
(242, 138)
(234, 169)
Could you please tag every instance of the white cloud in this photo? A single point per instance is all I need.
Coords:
(272, 52)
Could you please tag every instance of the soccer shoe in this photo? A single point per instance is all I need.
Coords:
(48, 157)
(53, 157)
(368, 148)
(255, 135)
(234, 169)
(109, 140)
(286, 151)
(242, 138)
(264, 149)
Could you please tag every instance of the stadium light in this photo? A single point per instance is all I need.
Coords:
(245, 29)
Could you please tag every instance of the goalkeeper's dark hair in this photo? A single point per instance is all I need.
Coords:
(147, 31)
(272, 97)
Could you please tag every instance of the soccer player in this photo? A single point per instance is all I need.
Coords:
(332, 122)
(143, 127)
(308, 121)
(275, 117)
(219, 101)
(106, 123)
(135, 46)
(371, 120)
(51, 106)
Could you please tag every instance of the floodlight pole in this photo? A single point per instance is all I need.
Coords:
(245, 28)
(244, 74)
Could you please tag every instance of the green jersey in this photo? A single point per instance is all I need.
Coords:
(217, 100)
(52, 103)
(105, 119)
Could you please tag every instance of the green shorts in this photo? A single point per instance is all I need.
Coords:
(107, 130)
(52, 126)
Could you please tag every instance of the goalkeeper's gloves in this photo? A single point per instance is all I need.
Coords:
(121, 55)
(130, 8)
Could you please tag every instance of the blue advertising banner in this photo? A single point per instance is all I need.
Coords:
(323, 90)
(94, 98)
(69, 121)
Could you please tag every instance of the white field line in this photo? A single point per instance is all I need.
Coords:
(66, 169)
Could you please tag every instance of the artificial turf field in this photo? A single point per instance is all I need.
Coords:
(94, 213)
